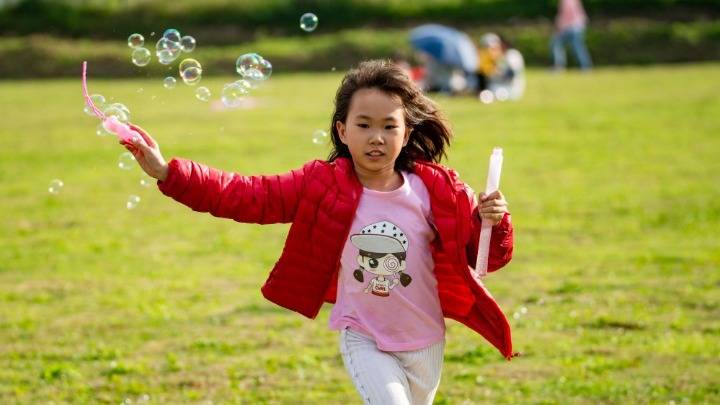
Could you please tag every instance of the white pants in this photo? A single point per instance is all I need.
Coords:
(391, 378)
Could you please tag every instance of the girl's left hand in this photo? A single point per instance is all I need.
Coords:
(492, 207)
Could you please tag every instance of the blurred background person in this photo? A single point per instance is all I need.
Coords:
(570, 24)
(508, 83)
(489, 55)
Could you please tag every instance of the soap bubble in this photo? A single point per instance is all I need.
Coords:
(99, 102)
(136, 41)
(115, 110)
(140, 56)
(55, 186)
(190, 71)
(187, 43)
(172, 34)
(132, 202)
(126, 161)
(146, 181)
(319, 137)
(202, 93)
(502, 94)
(253, 66)
(233, 93)
(191, 76)
(169, 82)
(487, 97)
(167, 50)
(308, 22)
(122, 107)
(189, 63)
(101, 131)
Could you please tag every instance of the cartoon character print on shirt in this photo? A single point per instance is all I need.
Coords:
(383, 252)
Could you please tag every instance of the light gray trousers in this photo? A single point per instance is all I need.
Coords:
(391, 378)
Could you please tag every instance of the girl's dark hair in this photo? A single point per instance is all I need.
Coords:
(430, 133)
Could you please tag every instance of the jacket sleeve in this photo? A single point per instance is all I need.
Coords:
(501, 240)
(254, 199)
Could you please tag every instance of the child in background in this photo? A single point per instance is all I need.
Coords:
(380, 229)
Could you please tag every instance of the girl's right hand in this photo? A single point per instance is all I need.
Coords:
(147, 154)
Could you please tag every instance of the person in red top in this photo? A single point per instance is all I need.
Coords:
(388, 139)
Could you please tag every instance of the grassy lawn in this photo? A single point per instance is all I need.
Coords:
(612, 179)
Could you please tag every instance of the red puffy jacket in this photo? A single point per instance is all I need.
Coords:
(320, 200)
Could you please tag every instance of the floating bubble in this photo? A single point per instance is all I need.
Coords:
(487, 97)
(55, 186)
(169, 82)
(172, 34)
(253, 66)
(319, 137)
(132, 202)
(191, 76)
(122, 107)
(101, 131)
(308, 22)
(190, 71)
(245, 85)
(502, 94)
(99, 102)
(187, 43)
(146, 181)
(136, 41)
(167, 50)
(116, 110)
(126, 161)
(233, 93)
(202, 93)
(141, 56)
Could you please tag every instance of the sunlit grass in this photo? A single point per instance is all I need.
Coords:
(612, 180)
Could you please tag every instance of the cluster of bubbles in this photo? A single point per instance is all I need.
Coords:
(118, 110)
(140, 55)
(252, 66)
(308, 22)
(190, 71)
(253, 69)
(126, 161)
(172, 44)
(167, 49)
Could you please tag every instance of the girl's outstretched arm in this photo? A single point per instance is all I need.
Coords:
(256, 199)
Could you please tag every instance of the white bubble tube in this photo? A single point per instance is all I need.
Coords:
(492, 185)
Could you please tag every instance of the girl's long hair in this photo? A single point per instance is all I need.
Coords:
(430, 132)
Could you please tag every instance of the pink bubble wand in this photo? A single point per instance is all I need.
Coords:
(111, 124)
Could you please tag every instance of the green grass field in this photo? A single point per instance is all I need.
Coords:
(612, 179)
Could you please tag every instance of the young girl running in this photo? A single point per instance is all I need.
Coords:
(380, 229)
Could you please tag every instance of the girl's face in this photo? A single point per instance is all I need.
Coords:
(374, 130)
